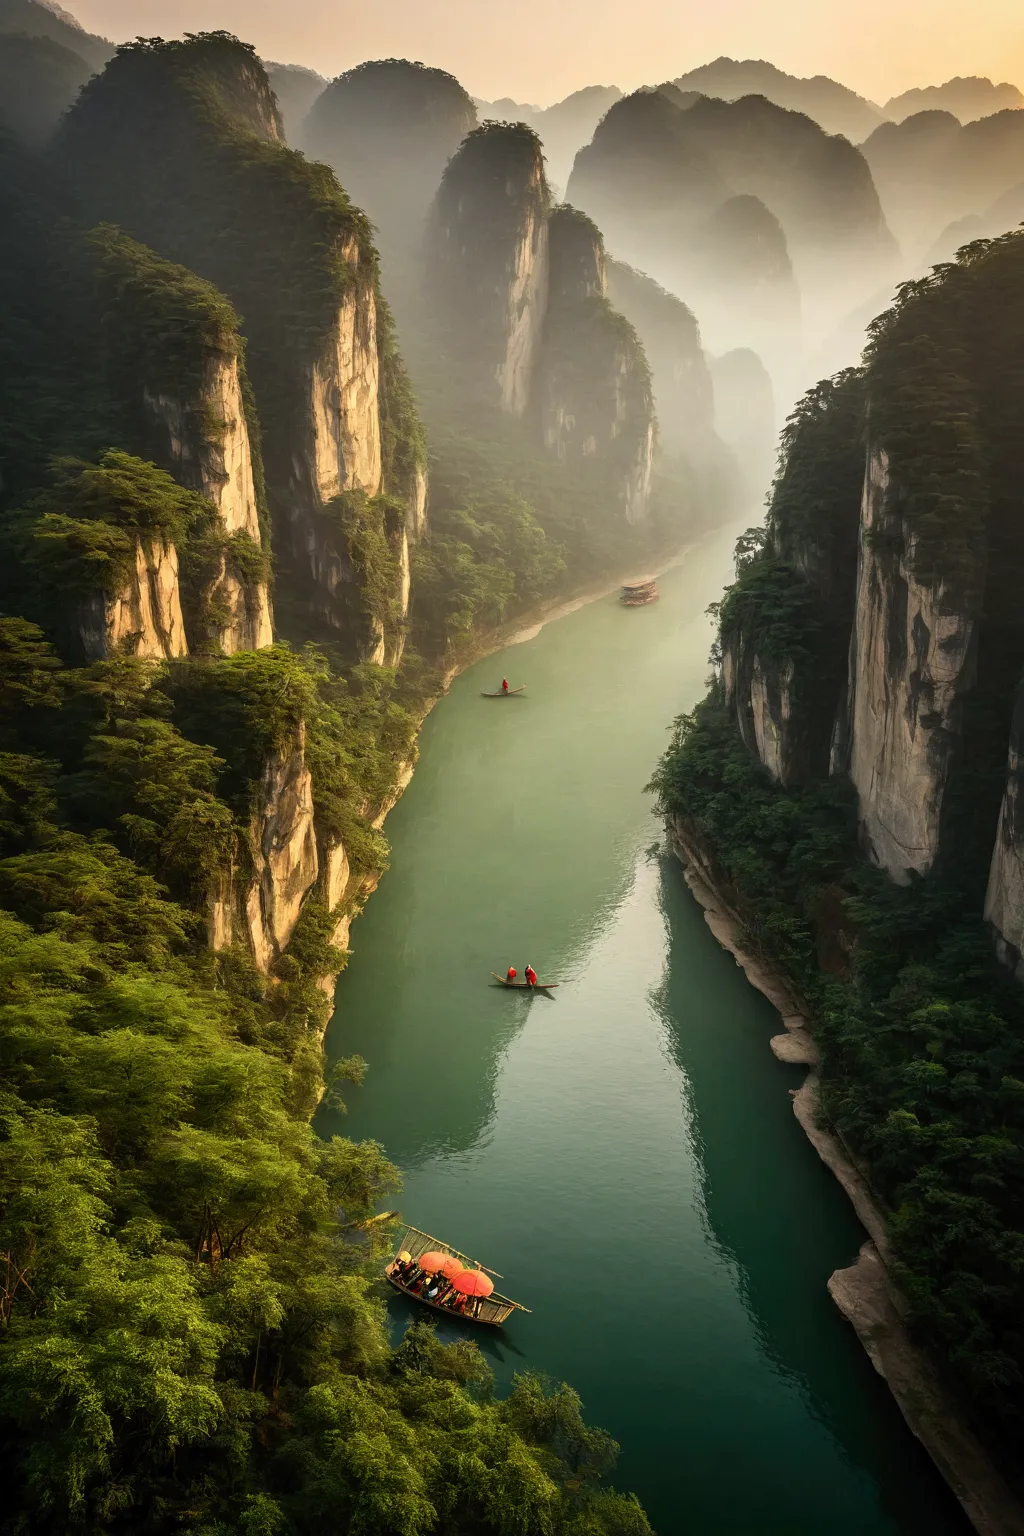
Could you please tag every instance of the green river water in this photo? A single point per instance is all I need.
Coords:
(625, 1154)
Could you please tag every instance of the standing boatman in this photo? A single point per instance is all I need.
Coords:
(531, 976)
(504, 685)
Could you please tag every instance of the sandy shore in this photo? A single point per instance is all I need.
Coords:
(865, 1293)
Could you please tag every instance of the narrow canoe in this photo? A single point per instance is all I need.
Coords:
(502, 694)
(490, 1310)
(539, 986)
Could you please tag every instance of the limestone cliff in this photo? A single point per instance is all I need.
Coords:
(208, 448)
(593, 386)
(786, 623)
(488, 258)
(911, 661)
(259, 903)
(142, 615)
(192, 128)
(174, 359)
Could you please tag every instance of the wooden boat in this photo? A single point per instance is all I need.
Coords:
(492, 1309)
(503, 694)
(538, 986)
(636, 594)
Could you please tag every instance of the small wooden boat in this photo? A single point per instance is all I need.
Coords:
(636, 594)
(504, 693)
(538, 986)
(492, 1309)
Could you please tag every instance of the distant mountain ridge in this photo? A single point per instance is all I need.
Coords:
(968, 97)
(564, 127)
(34, 19)
(835, 107)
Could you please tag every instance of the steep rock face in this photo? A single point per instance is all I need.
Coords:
(1004, 898)
(284, 854)
(488, 258)
(911, 661)
(761, 696)
(593, 388)
(181, 143)
(143, 618)
(680, 377)
(208, 449)
(344, 404)
(786, 623)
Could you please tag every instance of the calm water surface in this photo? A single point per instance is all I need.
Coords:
(624, 1154)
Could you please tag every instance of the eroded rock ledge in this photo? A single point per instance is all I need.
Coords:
(865, 1292)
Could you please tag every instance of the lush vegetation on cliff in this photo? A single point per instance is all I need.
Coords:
(922, 1032)
(190, 1333)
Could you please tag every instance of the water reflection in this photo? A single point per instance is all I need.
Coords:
(776, 1215)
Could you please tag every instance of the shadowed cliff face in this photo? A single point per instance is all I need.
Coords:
(39, 79)
(931, 173)
(593, 387)
(797, 580)
(684, 399)
(388, 128)
(295, 90)
(487, 256)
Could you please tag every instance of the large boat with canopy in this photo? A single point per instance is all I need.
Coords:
(446, 1280)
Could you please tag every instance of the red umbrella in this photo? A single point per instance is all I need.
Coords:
(473, 1282)
(440, 1264)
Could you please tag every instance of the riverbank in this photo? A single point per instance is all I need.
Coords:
(865, 1293)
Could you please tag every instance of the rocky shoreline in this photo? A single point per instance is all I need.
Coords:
(865, 1292)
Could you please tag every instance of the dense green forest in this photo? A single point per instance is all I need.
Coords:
(191, 1335)
(921, 1030)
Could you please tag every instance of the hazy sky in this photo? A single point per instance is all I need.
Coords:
(540, 50)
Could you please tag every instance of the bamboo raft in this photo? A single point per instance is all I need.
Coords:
(492, 1309)
(636, 594)
(505, 693)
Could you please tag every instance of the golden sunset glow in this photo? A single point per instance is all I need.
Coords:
(539, 51)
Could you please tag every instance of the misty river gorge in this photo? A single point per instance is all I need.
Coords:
(624, 1154)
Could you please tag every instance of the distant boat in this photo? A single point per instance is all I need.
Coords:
(636, 594)
(492, 1309)
(505, 693)
(538, 986)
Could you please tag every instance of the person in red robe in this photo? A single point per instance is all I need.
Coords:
(504, 685)
(511, 976)
(531, 976)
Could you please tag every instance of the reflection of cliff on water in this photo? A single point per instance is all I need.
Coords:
(779, 1218)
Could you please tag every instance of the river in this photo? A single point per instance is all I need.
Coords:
(624, 1153)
